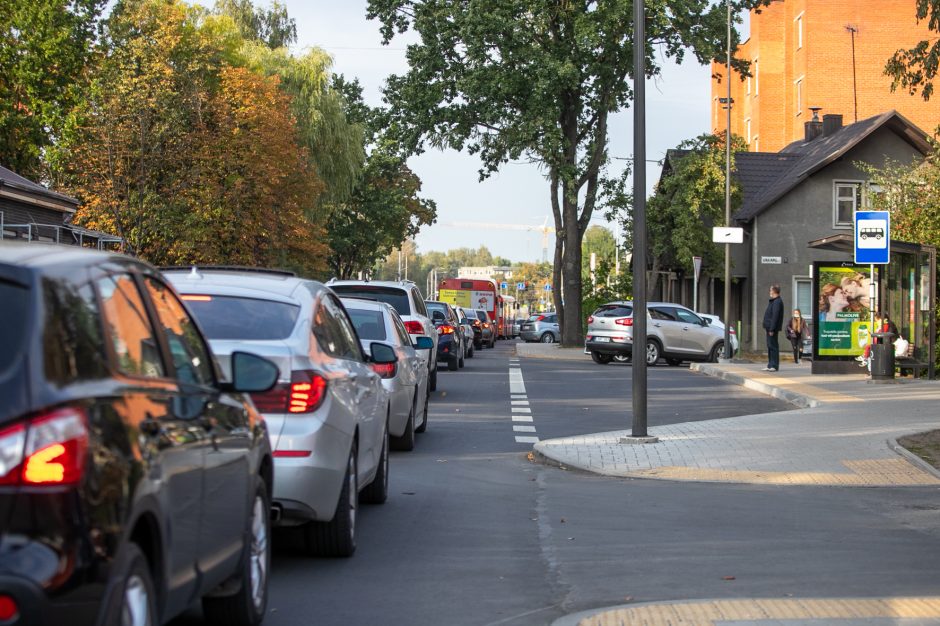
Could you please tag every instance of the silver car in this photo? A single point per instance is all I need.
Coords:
(466, 327)
(716, 322)
(541, 327)
(673, 332)
(407, 380)
(327, 416)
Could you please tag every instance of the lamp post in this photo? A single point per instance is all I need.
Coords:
(727, 294)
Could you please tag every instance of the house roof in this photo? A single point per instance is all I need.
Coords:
(768, 176)
(34, 192)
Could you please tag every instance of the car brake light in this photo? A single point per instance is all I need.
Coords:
(445, 329)
(590, 319)
(486, 324)
(414, 327)
(292, 454)
(385, 370)
(624, 321)
(8, 609)
(304, 394)
(46, 450)
(732, 332)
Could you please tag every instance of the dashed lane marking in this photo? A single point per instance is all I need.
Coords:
(521, 409)
(519, 402)
(526, 439)
(523, 429)
(522, 418)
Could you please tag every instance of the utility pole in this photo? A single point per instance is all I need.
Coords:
(853, 30)
(727, 294)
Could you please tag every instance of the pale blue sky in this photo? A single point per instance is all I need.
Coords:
(677, 109)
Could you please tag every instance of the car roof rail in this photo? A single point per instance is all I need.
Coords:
(195, 268)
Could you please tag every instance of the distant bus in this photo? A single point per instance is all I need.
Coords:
(474, 294)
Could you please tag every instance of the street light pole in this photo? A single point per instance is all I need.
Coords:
(639, 220)
(727, 294)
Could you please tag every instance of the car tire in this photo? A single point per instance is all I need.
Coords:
(453, 364)
(134, 595)
(547, 338)
(623, 358)
(716, 352)
(424, 423)
(337, 538)
(432, 380)
(462, 360)
(673, 362)
(247, 606)
(376, 492)
(406, 442)
(478, 344)
(470, 351)
(601, 359)
(652, 352)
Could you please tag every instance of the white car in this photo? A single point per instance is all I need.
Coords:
(715, 321)
(407, 380)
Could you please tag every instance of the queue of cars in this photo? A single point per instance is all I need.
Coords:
(156, 425)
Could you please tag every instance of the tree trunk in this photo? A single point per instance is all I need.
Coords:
(571, 336)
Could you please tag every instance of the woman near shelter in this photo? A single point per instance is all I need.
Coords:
(797, 331)
(832, 300)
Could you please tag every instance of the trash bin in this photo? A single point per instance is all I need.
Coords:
(882, 357)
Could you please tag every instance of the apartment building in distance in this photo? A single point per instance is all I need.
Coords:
(829, 54)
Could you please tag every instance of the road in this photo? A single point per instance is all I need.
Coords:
(475, 532)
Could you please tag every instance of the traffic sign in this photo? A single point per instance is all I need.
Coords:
(872, 237)
(504, 285)
(520, 286)
(547, 287)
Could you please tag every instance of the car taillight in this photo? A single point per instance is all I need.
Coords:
(624, 321)
(539, 318)
(414, 327)
(445, 329)
(304, 394)
(8, 609)
(486, 324)
(46, 450)
(590, 319)
(385, 370)
(732, 332)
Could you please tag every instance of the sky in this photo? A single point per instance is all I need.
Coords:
(677, 109)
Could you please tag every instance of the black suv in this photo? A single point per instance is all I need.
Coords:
(132, 480)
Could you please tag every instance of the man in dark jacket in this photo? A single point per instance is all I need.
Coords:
(773, 324)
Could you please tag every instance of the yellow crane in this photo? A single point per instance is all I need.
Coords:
(545, 229)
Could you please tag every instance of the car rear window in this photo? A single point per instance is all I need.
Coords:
(369, 324)
(398, 298)
(231, 317)
(483, 315)
(13, 333)
(614, 310)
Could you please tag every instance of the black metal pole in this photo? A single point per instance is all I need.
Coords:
(639, 219)
(727, 295)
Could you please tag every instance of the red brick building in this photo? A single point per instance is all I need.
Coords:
(801, 54)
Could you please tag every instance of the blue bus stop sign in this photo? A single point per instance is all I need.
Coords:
(503, 286)
(872, 237)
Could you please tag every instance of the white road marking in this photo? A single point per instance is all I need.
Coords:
(520, 405)
(519, 402)
(522, 418)
(527, 439)
(521, 409)
(523, 429)
(516, 384)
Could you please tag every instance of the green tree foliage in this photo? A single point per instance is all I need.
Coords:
(272, 26)
(538, 79)
(44, 48)
(914, 69)
(909, 192)
(687, 202)
(536, 275)
(599, 241)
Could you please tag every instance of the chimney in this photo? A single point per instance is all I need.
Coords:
(813, 128)
(831, 123)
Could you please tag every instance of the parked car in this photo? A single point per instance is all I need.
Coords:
(133, 476)
(407, 380)
(450, 341)
(487, 328)
(477, 325)
(517, 327)
(328, 414)
(716, 322)
(407, 300)
(673, 332)
(469, 334)
(541, 327)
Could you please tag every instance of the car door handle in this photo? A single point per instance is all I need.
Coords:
(658, 325)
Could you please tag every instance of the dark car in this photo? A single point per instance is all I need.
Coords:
(477, 326)
(132, 479)
(450, 339)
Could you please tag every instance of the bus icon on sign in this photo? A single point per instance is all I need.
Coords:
(872, 233)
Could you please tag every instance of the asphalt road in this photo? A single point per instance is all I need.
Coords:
(474, 532)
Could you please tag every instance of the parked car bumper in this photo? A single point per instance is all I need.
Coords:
(447, 348)
(609, 345)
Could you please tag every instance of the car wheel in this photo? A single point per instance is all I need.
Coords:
(377, 491)
(674, 362)
(716, 352)
(652, 352)
(623, 358)
(462, 360)
(432, 380)
(453, 364)
(247, 606)
(424, 422)
(470, 352)
(338, 537)
(406, 442)
(134, 600)
(547, 338)
(601, 359)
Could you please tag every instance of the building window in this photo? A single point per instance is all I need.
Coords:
(798, 84)
(747, 129)
(847, 200)
(798, 28)
(756, 143)
(756, 78)
(803, 296)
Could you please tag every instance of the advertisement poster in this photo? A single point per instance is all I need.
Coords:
(468, 299)
(843, 325)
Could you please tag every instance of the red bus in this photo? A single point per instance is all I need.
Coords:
(474, 294)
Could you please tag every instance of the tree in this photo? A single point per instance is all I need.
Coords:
(914, 69)
(507, 79)
(909, 192)
(45, 46)
(599, 241)
(273, 26)
(690, 199)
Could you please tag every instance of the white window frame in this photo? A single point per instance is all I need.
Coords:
(747, 129)
(756, 77)
(798, 85)
(798, 25)
(858, 198)
(747, 86)
(756, 143)
(806, 313)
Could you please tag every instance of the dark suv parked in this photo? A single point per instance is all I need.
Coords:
(132, 480)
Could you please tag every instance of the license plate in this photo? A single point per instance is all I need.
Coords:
(602, 339)
(527, 327)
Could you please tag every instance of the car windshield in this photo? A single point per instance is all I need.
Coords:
(398, 298)
(15, 315)
(483, 315)
(614, 310)
(369, 324)
(230, 317)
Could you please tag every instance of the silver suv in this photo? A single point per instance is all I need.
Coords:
(407, 300)
(673, 332)
(541, 327)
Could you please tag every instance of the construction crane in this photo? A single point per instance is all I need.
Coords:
(545, 229)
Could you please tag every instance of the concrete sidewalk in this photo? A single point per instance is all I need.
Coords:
(843, 433)
(550, 351)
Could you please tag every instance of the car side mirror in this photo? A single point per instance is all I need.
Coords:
(423, 343)
(706, 321)
(251, 373)
(383, 353)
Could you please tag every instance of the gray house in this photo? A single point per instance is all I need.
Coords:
(807, 192)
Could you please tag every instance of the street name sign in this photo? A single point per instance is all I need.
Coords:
(872, 237)
(722, 234)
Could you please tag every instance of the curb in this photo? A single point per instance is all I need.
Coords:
(800, 400)
(913, 458)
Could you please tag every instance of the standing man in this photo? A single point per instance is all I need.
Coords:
(773, 324)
